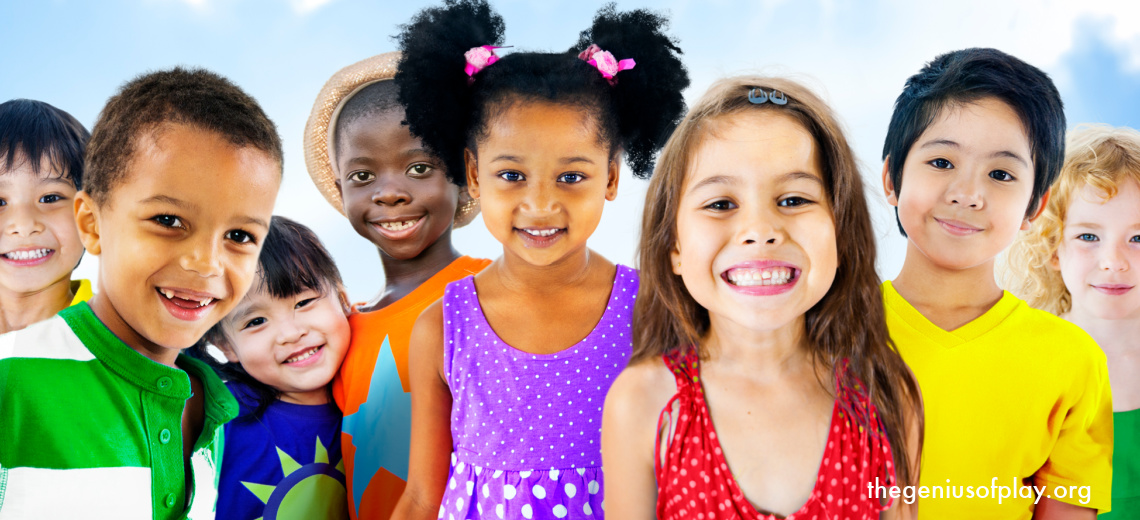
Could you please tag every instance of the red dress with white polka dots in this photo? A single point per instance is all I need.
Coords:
(694, 481)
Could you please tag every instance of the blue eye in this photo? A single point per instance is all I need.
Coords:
(240, 236)
(1135, 238)
(169, 221)
(253, 323)
(792, 202)
(941, 164)
(1001, 175)
(571, 178)
(51, 198)
(3, 202)
(1088, 237)
(510, 176)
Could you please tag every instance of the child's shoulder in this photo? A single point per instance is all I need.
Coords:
(1054, 336)
(52, 338)
(642, 386)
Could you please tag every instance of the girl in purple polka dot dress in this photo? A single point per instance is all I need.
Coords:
(510, 369)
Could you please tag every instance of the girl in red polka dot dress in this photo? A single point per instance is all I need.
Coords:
(763, 383)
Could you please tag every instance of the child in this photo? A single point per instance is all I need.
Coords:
(509, 370)
(289, 334)
(41, 169)
(101, 413)
(400, 197)
(1014, 397)
(1077, 262)
(758, 315)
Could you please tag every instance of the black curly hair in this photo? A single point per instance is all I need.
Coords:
(450, 113)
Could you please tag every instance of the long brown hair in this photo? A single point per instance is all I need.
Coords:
(848, 323)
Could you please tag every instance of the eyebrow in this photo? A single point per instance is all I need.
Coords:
(167, 199)
(406, 153)
(953, 144)
(732, 181)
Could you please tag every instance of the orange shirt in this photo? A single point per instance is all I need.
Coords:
(373, 391)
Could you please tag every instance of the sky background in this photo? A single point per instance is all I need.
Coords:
(857, 55)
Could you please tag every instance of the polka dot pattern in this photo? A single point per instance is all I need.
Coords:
(694, 480)
(526, 427)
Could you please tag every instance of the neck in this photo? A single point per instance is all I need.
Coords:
(402, 276)
(770, 355)
(924, 283)
(18, 310)
(111, 319)
(519, 275)
(1115, 337)
(309, 398)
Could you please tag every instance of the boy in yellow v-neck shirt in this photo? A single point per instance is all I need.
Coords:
(1018, 405)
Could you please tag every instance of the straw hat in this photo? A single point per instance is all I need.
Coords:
(319, 149)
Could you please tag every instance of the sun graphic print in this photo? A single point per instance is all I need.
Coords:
(314, 491)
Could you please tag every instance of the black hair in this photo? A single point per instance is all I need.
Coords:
(372, 99)
(968, 75)
(195, 97)
(449, 113)
(33, 131)
(292, 261)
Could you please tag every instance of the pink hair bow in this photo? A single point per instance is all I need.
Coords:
(478, 58)
(605, 62)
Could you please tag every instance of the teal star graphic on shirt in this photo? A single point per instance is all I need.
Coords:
(382, 428)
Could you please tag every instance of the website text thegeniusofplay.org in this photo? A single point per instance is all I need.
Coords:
(994, 491)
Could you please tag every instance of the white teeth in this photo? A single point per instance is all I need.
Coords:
(765, 276)
(399, 226)
(303, 356)
(541, 232)
(205, 302)
(28, 254)
(167, 293)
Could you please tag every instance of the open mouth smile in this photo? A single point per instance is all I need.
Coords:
(397, 229)
(762, 278)
(184, 304)
(304, 357)
(540, 236)
(28, 257)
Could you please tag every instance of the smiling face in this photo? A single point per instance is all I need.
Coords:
(755, 234)
(967, 183)
(395, 193)
(40, 244)
(1097, 253)
(178, 237)
(293, 344)
(542, 178)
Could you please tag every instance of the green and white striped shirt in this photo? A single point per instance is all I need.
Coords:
(89, 428)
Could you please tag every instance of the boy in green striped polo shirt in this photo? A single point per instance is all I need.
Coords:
(101, 416)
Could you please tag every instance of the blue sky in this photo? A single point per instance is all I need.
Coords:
(74, 54)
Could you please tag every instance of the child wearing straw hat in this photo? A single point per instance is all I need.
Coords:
(396, 194)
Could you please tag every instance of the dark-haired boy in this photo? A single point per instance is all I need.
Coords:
(41, 169)
(396, 194)
(1014, 397)
(101, 413)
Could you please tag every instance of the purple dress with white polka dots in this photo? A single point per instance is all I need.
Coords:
(527, 428)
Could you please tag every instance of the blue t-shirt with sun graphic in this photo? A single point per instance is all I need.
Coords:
(285, 464)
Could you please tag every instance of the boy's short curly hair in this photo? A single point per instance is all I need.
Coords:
(968, 75)
(1099, 156)
(195, 97)
(35, 131)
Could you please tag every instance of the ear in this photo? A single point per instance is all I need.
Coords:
(888, 184)
(614, 175)
(344, 305)
(339, 190)
(1027, 223)
(228, 351)
(87, 220)
(472, 166)
(675, 259)
(1055, 261)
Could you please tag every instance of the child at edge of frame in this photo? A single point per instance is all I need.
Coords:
(1017, 400)
(1080, 262)
(41, 170)
(103, 414)
(397, 194)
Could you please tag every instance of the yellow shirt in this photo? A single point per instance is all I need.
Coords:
(82, 291)
(1018, 395)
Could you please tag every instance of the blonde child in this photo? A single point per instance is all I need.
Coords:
(510, 369)
(763, 383)
(1078, 262)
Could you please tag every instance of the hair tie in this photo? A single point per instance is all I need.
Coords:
(478, 58)
(605, 62)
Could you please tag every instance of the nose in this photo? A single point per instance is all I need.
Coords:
(391, 190)
(965, 189)
(203, 256)
(1113, 258)
(289, 331)
(22, 220)
(761, 225)
(540, 200)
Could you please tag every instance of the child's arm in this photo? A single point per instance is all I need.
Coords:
(629, 434)
(429, 460)
(1049, 509)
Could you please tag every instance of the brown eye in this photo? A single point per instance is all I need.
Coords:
(419, 170)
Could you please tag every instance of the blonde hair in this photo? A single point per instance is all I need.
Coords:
(1100, 156)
